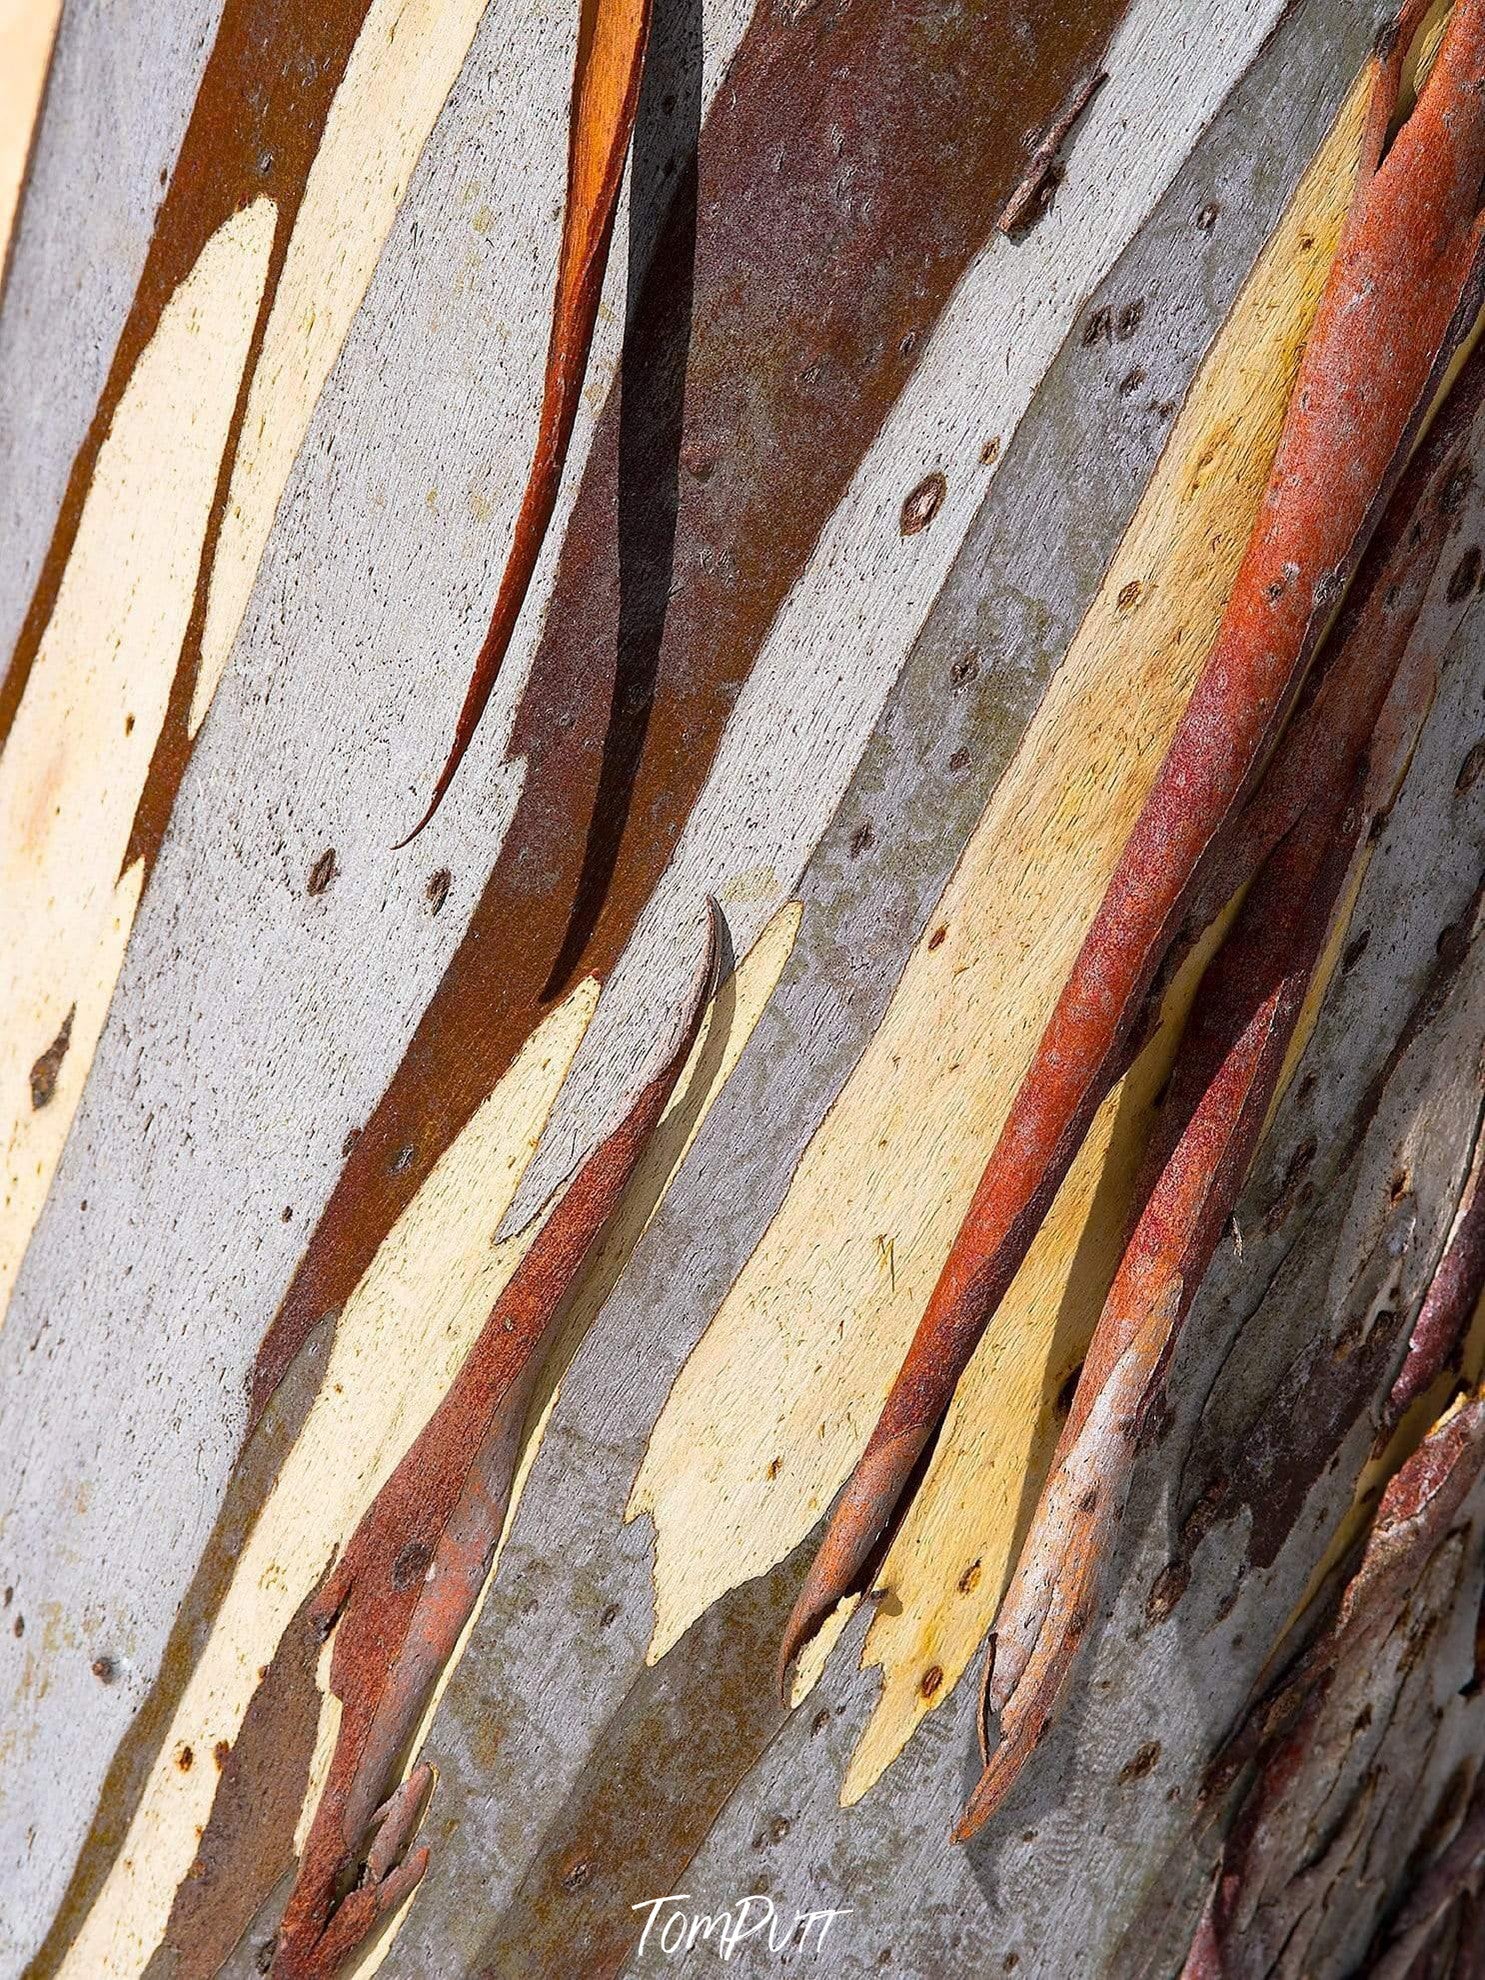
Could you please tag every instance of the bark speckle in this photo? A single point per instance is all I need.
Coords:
(45, 1072)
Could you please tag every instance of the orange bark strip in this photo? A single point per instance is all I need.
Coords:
(412, 1572)
(1277, 941)
(612, 35)
(1403, 291)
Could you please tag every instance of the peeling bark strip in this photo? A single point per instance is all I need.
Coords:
(1401, 293)
(1029, 199)
(1249, 1023)
(829, 213)
(259, 116)
(413, 1570)
(1332, 773)
(612, 35)
(1341, 1752)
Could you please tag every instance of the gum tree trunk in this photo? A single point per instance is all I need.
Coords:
(887, 550)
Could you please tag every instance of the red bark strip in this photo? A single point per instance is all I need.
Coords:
(1319, 791)
(1402, 292)
(612, 35)
(412, 1572)
(1247, 1007)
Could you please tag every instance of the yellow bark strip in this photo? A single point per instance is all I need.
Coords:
(405, 61)
(76, 761)
(773, 1408)
(27, 31)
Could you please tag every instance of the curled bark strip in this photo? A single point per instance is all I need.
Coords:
(409, 1578)
(1303, 825)
(1247, 1007)
(612, 36)
(1050, 1604)
(1444, 1317)
(1352, 1676)
(1401, 294)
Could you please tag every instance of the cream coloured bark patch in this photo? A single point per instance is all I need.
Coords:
(774, 1406)
(27, 30)
(76, 759)
(404, 63)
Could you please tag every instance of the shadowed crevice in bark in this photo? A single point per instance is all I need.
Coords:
(652, 392)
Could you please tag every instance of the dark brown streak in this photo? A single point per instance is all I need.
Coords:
(651, 421)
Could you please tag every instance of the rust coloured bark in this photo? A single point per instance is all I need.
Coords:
(412, 1571)
(1402, 292)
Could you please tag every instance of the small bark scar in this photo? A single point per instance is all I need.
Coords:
(1400, 298)
(1027, 203)
(413, 1569)
(612, 38)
